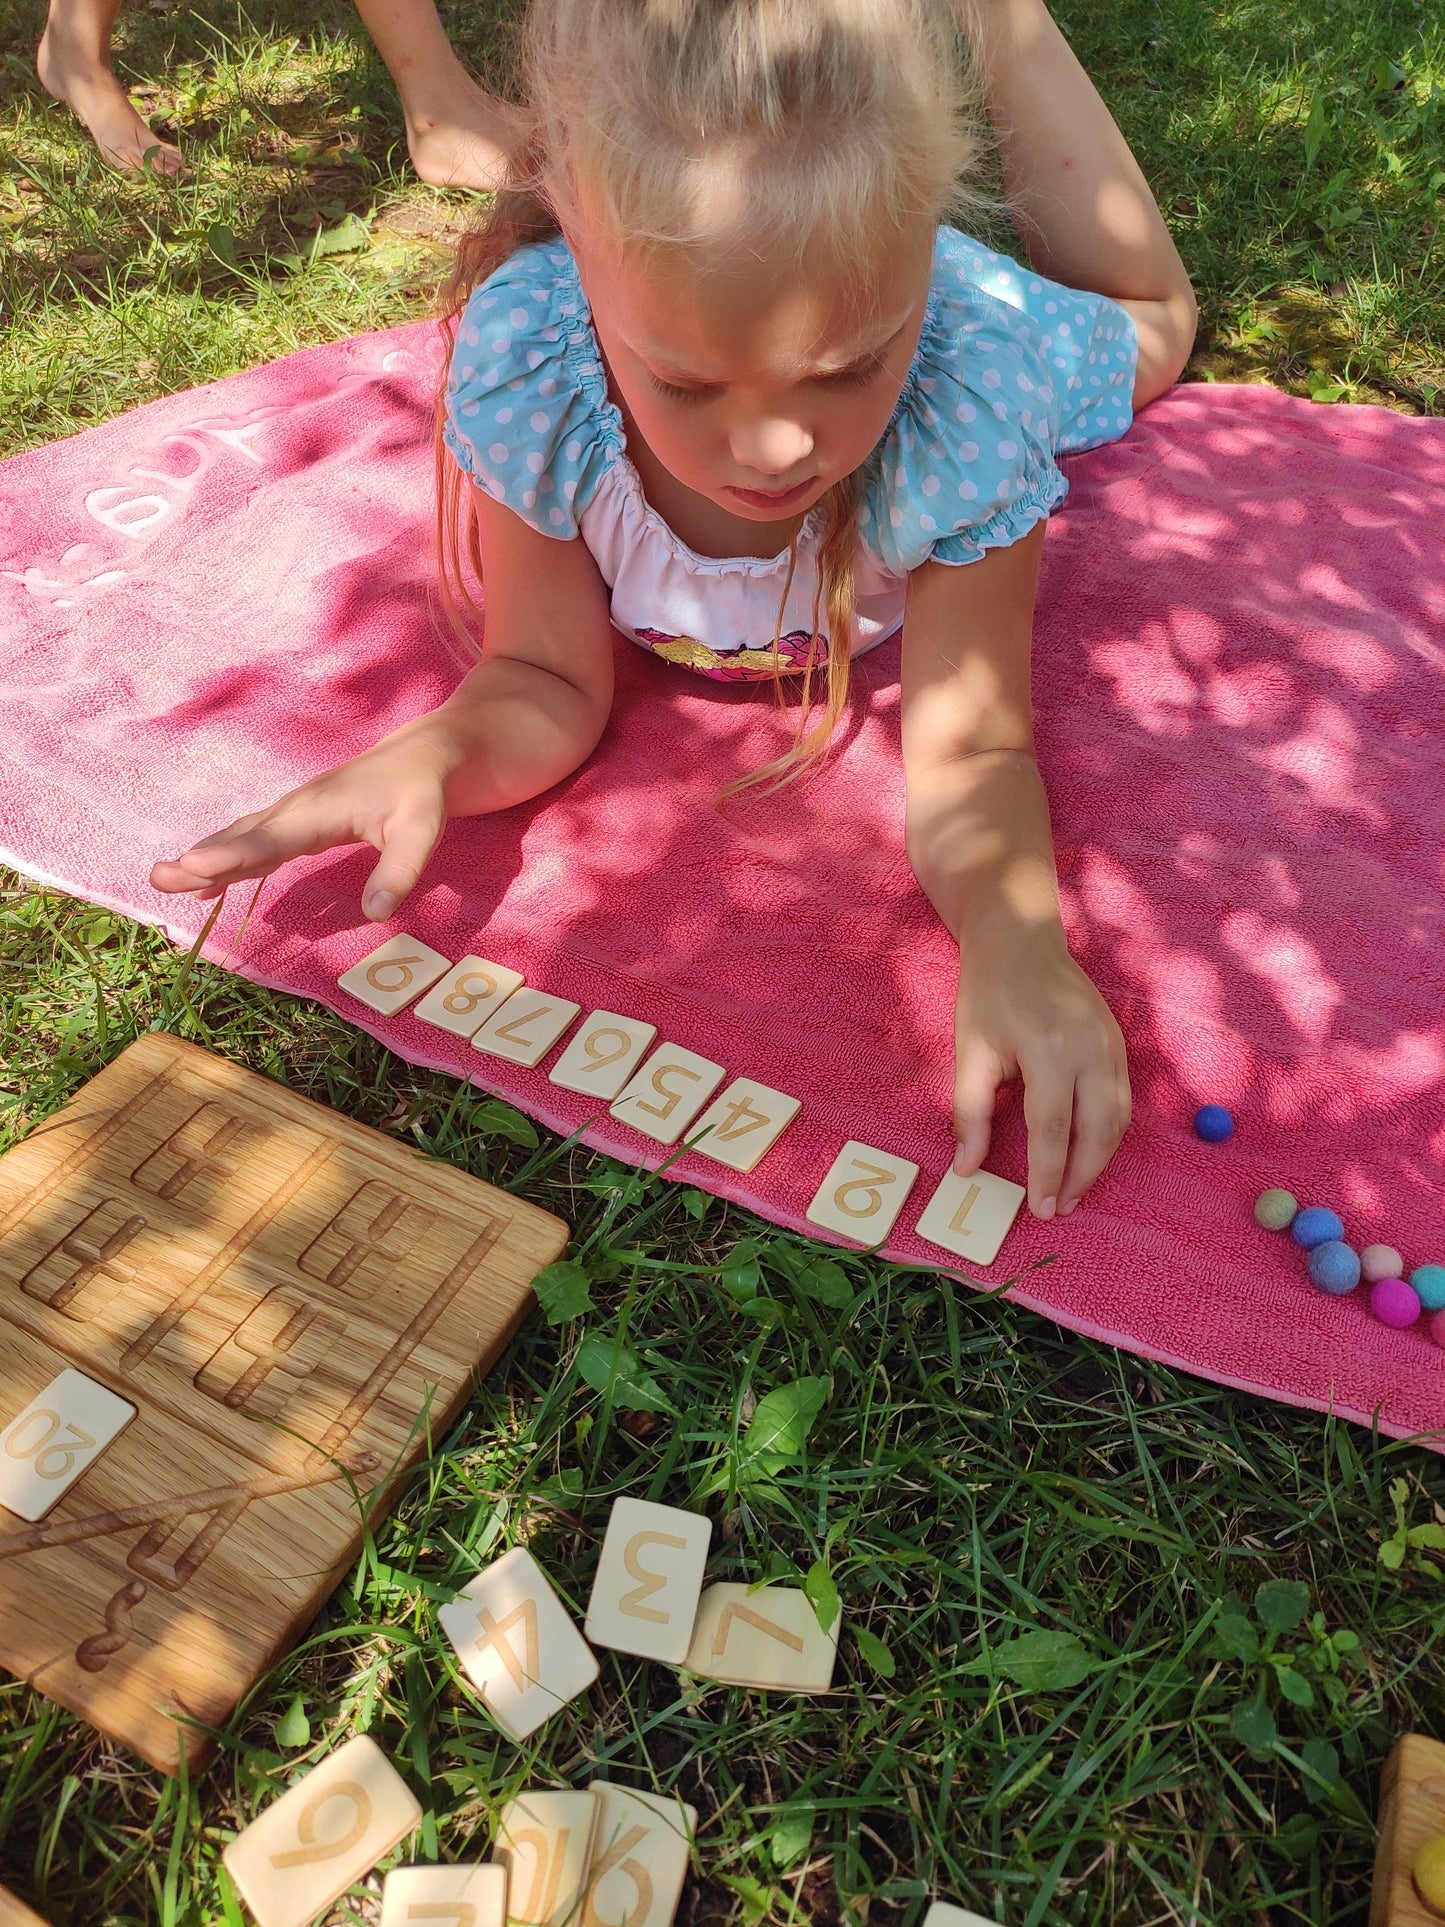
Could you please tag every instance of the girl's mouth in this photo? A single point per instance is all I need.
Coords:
(773, 498)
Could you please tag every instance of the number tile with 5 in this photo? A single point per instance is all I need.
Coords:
(640, 1853)
(544, 1840)
(668, 1092)
(862, 1193)
(649, 1577)
(467, 996)
(322, 1835)
(768, 1637)
(391, 977)
(516, 1643)
(58, 1436)
(474, 1896)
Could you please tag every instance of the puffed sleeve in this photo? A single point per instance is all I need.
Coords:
(1012, 370)
(526, 408)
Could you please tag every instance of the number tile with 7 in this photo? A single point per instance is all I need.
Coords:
(644, 1598)
(46, 1447)
(603, 1054)
(745, 1121)
(668, 1092)
(971, 1216)
(473, 1896)
(516, 1643)
(526, 1027)
(767, 1637)
(322, 1835)
(467, 996)
(389, 978)
(862, 1193)
(544, 1840)
(640, 1853)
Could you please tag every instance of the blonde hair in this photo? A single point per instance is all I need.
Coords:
(695, 134)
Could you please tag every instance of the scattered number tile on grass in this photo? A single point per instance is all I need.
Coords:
(649, 1577)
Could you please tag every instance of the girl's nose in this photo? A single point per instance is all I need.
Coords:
(771, 446)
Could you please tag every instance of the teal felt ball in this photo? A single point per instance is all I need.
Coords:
(1429, 1283)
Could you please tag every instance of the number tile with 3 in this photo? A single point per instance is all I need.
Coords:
(322, 1835)
(862, 1193)
(769, 1637)
(59, 1435)
(603, 1055)
(389, 979)
(640, 1854)
(516, 1643)
(644, 1598)
(467, 996)
(971, 1216)
(544, 1840)
(745, 1121)
(526, 1027)
(445, 1896)
(668, 1092)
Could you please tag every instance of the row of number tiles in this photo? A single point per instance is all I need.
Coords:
(525, 1657)
(864, 1190)
(609, 1857)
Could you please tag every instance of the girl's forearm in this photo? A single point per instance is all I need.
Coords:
(509, 731)
(978, 837)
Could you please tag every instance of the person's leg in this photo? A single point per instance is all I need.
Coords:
(73, 62)
(1085, 210)
(458, 134)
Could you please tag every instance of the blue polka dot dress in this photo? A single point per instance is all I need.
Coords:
(1011, 371)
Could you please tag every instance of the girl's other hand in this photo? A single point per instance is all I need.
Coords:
(1026, 1006)
(392, 797)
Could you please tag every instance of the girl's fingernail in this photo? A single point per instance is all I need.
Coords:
(1046, 1208)
(1065, 1209)
(962, 1166)
(379, 905)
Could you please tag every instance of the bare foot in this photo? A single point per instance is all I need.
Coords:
(90, 89)
(464, 140)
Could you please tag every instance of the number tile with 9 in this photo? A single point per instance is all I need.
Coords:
(516, 1643)
(971, 1216)
(640, 1853)
(544, 1840)
(862, 1193)
(474, 1896)
(467, 996)
(644, 1598)
(768, 1637)
(389, 978)
(58, 1436)
(526, 1027)
(603, 1055)
(668, 1092)
(322, 1835)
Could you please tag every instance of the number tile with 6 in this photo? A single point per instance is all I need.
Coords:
(62, 1431)
(649, 1578)
(516, 1643)
(640, 1854)
(603, 1055)
(544, 1840)
(767, 1637)
(392, 976)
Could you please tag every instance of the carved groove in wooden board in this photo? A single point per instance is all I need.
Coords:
(292, 1302)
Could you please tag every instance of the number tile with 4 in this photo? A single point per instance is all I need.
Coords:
(322, 1835)
(668, 1092)
(767, 1637)
(473, 1896)
(862, 1193)
(61, 1433)
(544, 1840)
(644, 1598)
(526, 1027)
(640, 1853)
(516, 1643)
(745, 1121)
(603, 1055)
(389, 979)
(467, 996)
(971, 1216)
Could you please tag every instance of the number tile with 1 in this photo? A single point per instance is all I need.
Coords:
(971, 1216)
(61, 1433)
(544, 1840)
(474, 1896)
(640, 1853)
(649, 1577)
(766, 1636)
(322, 1835)
(516, 1643)
(467, 996)
(392, 976)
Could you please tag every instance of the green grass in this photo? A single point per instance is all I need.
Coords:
(1182, 1746)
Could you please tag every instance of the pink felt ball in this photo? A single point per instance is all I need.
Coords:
(1381, 1261)
(1437, 1327)
(1394, 1303)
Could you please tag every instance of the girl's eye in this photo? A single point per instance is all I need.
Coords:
(858, 377)
(674, 393)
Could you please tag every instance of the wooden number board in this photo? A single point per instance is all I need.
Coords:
(294, 1304)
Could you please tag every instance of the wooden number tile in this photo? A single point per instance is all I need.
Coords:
(391, 977)
(603, 1055)
(516, 1643)
(544, 1840)
(447, 1896)
(468, 995)
(640, 1854)
(644, 1598)
(668, 1092)
(1412, 1811)
(764, 1637)
(318, 1839)
(971, 1215)
(943, 1913)
(61, 1432)
(745, 1121)
(526, 1027)
(14, 1912)
(863, 1193)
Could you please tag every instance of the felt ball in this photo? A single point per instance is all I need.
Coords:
(1429, 1282)
(1275, 1210)
(1334, 1267)
(1381, 1261)
(1314, 1225)
(1394, 1302)
(1429, 1873)
(1437, 1328)
(1213, 1123)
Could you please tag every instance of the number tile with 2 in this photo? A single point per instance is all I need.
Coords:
(603, 1055)
(516, 1643)
(473, 1896)
(971, 1216)
(668, 1092)
(767, 1637)
(640, 1853)
(391, 977)
(467, 996)
(526, 1027)
(544, 1840)
(747, 1120)
(863, 1193)
(649, 1577)
(61, 1433)
(322, 1835)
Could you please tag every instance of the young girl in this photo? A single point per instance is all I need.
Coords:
(722, 380)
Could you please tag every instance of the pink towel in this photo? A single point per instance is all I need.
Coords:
(1241, 665)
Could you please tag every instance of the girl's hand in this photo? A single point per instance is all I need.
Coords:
(392, 797)
(1024, 1005)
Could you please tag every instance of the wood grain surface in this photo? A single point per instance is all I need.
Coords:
(1412, 1808)
(295, 1304)
(14, 1912)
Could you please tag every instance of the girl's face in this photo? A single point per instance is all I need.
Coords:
(760, 392)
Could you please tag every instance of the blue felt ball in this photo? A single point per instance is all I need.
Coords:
(1335, 1267)
(1429, 1282)
(1316, 1226)
(1213, 1123)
